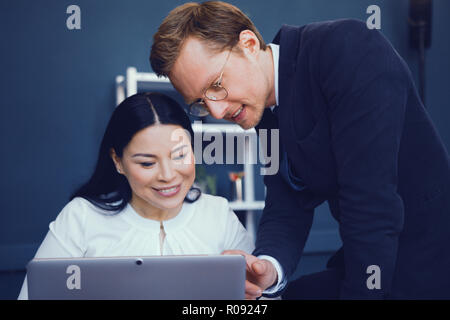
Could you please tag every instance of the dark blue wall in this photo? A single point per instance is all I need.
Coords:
(57, 92)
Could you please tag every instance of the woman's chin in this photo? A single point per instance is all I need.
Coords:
(171, 202)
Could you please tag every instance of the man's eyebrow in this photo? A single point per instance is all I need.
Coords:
(189, 102)
(178, 148)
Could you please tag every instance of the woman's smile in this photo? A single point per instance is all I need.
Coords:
(169, 191)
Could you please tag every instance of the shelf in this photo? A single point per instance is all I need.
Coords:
(224, 128)
(247, 205)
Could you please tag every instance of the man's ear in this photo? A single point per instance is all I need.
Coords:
(249, 43)
(115, 158)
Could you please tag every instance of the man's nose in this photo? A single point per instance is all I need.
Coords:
(217, 109)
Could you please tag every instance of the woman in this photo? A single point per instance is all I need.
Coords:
(140, 200)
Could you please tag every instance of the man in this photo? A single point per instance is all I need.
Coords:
(353, 132)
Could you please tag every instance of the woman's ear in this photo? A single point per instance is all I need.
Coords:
(115, 158)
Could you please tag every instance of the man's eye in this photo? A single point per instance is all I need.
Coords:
(181, 156)
(147, 164)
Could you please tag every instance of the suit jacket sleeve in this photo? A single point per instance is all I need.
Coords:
(284, 225)
(287, 216)
(366, 85)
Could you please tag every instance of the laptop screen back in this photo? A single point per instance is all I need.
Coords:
(220, 277)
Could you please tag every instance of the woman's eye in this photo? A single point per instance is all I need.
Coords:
(147, 164)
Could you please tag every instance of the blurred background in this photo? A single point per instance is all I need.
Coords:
(58, 91)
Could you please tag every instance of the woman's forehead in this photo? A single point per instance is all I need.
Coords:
(159, 137)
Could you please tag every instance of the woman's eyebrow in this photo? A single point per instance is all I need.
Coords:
(149, 155)
(143, 155)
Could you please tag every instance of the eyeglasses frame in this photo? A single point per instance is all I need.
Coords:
(217, 83)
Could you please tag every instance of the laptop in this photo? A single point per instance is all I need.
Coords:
(202, 277)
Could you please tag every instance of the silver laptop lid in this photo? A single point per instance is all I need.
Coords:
(206, 277)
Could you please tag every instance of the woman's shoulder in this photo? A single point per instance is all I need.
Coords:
(80, 216)
(75, 209)
(79, 204)
(209, 200)
(79, 208)
(211, 206)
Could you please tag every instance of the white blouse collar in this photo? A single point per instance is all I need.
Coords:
(170, 225)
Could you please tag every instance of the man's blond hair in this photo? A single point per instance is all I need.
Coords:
(216, 23)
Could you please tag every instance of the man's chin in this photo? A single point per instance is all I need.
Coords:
(247, 126)
(249, 121)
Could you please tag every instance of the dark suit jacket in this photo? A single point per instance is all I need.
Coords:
(356, 133)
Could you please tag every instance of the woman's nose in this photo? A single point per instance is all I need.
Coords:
(217, 109)
(167, 173)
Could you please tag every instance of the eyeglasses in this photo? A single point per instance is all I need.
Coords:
(214, 92)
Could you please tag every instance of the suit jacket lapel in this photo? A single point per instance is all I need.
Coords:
(288, 39)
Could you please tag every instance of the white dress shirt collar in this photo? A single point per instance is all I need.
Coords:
(276, 57)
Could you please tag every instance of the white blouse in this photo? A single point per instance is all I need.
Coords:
(206, 226)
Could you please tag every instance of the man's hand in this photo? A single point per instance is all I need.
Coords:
(261, 274)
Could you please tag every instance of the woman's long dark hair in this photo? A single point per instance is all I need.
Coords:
(108, 189)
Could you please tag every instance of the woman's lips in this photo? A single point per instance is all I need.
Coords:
(168, 192)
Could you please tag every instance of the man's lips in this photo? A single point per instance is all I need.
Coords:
(239, 114)
(235, 115)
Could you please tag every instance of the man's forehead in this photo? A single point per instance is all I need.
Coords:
(195, 69)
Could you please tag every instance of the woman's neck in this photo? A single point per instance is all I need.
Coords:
(148, 211)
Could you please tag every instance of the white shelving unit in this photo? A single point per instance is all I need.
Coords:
(128, 85)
